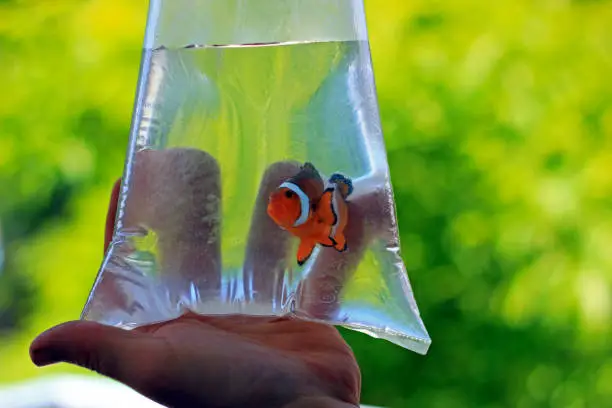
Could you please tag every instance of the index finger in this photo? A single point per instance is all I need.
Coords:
(166, 250)
(174, 197)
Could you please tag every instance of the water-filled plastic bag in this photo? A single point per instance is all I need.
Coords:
(256, 179)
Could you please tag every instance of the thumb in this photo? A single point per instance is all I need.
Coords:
(125, 356)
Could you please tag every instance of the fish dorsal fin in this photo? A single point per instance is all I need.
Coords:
(309, 166)
(309, 180)
(308, 170)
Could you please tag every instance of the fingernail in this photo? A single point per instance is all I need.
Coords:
(43, 357)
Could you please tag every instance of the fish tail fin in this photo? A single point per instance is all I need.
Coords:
(345, 185)
(341, 244)
(305, 251)
(328, 242)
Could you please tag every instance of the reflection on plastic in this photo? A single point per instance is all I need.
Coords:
(218, 131)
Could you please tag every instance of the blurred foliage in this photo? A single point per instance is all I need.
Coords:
(498, 121)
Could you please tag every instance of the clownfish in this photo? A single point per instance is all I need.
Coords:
(312, 211)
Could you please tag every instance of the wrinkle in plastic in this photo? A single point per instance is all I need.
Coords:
(238, 103)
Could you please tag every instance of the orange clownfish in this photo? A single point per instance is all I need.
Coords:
(311, 211)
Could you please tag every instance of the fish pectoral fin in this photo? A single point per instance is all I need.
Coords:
(341, 244)
(344, 184)
(305, 251)
(325, 208)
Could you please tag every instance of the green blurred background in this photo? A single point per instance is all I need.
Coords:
(498, 121)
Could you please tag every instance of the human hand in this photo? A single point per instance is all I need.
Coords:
(217, 361)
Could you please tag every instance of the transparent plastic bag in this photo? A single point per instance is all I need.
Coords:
(236, 98)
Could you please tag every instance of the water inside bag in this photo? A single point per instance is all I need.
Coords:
(218, 128)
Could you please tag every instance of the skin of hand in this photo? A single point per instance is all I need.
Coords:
(213, 361)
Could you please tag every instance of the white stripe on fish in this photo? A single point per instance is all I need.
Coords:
(304, 202)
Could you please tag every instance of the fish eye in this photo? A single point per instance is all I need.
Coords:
(289, 194)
